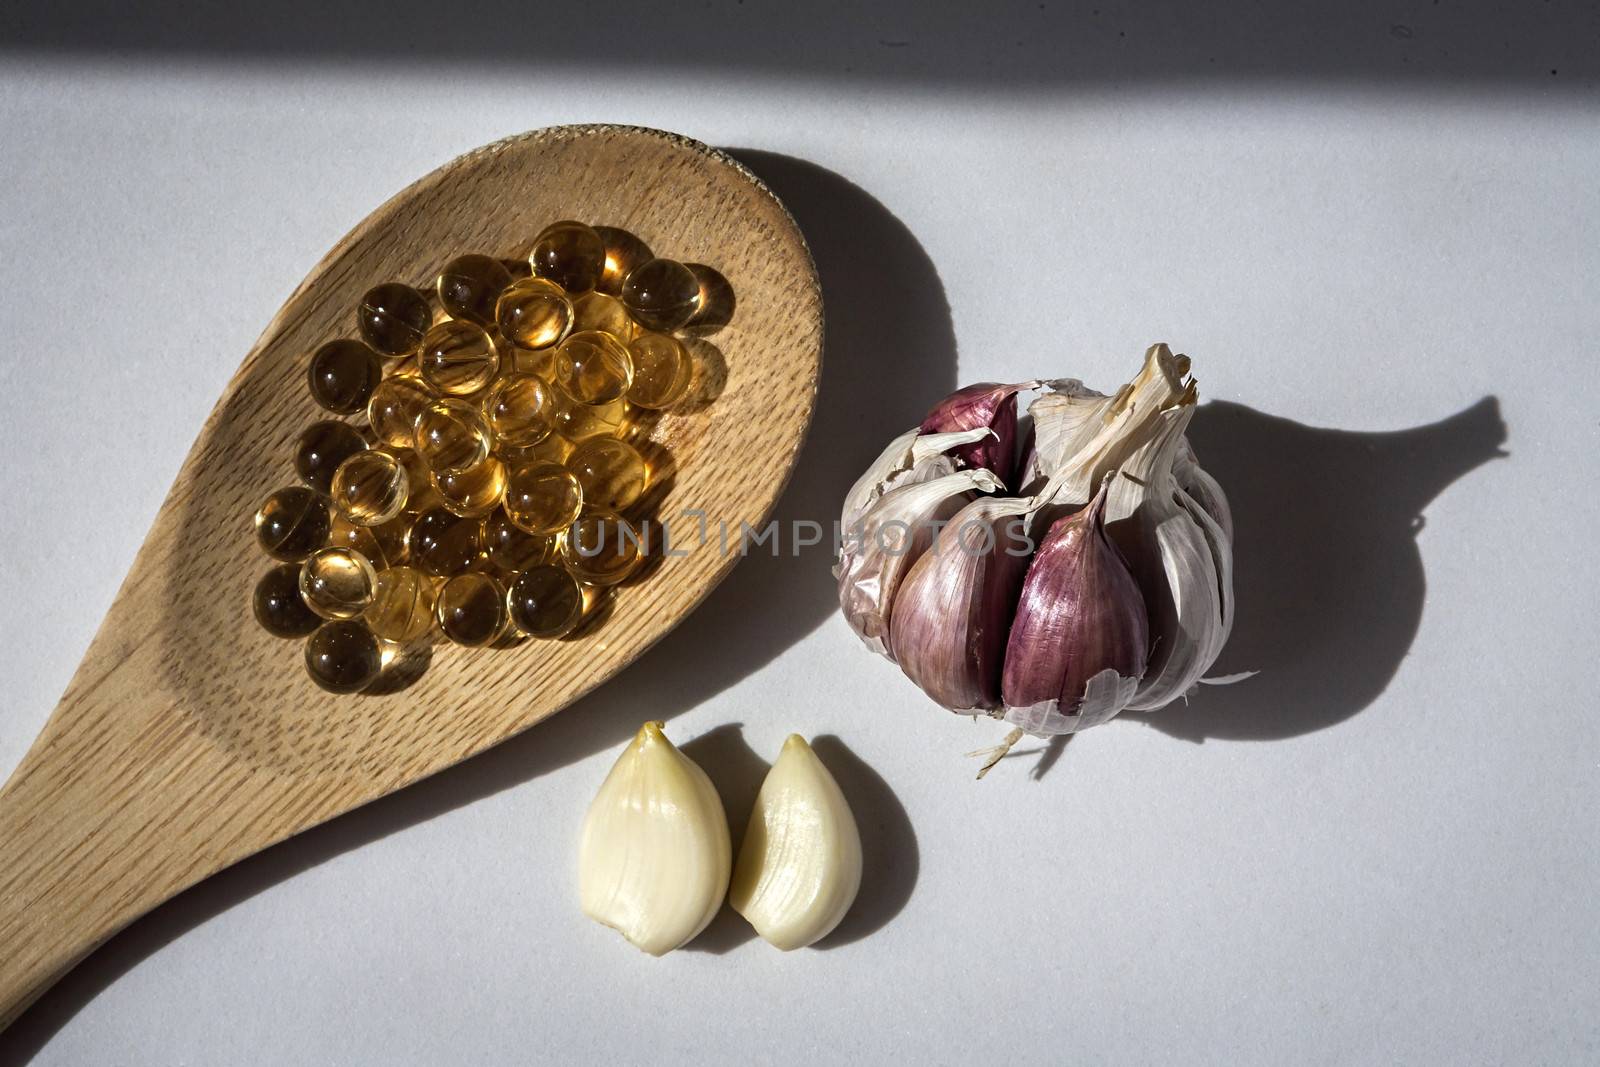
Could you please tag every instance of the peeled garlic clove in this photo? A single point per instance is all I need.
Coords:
(800, 862)
(893, 535)
(954, 607)
(987, 404)
(655, 856)
(1080, 638)
(912, 457)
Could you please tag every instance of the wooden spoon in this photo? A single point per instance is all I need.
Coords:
(189, 738)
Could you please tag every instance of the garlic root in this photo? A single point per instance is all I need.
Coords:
(996, 753)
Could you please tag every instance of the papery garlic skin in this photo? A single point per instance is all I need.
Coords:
(1076, 446)
(1065, 417)
(987, 404)
(799, 865)
(655, 855)
(912, 457)
(1080, 638)
(1204, 489)
(895, 532)
(953, 608)
(1220, 541)
(1181, 559)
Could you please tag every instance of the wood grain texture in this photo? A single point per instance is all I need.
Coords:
(189, 739)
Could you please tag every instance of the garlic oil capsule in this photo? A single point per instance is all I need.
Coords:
(800, 862)
(655, 855)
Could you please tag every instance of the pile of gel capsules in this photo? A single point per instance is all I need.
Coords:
(487, 497)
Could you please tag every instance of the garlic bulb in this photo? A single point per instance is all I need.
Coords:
(800, 862)
(1127, 603)
(1081, 636)
(893, 534)
(655, 856)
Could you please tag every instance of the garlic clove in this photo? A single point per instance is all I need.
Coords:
(987, 404)
(799, 865)
(953, 608)
(912, 457)
(655, 856)
(1080, 638)
(892, 536)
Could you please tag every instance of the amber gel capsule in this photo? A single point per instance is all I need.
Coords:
(546, 601)
(343, 656)
(471, 609)
(469, 285)
(570, 254)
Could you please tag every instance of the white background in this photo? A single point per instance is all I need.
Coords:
(1382, 850)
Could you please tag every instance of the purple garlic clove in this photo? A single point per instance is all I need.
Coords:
(954, 606)
(1080, 640)
(986, 404)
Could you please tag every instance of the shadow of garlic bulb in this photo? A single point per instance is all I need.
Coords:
(1105, 584)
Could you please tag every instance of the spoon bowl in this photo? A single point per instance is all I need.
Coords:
(189, 738)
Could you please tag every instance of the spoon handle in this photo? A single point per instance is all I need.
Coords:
(118, 806)
(82, 851)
